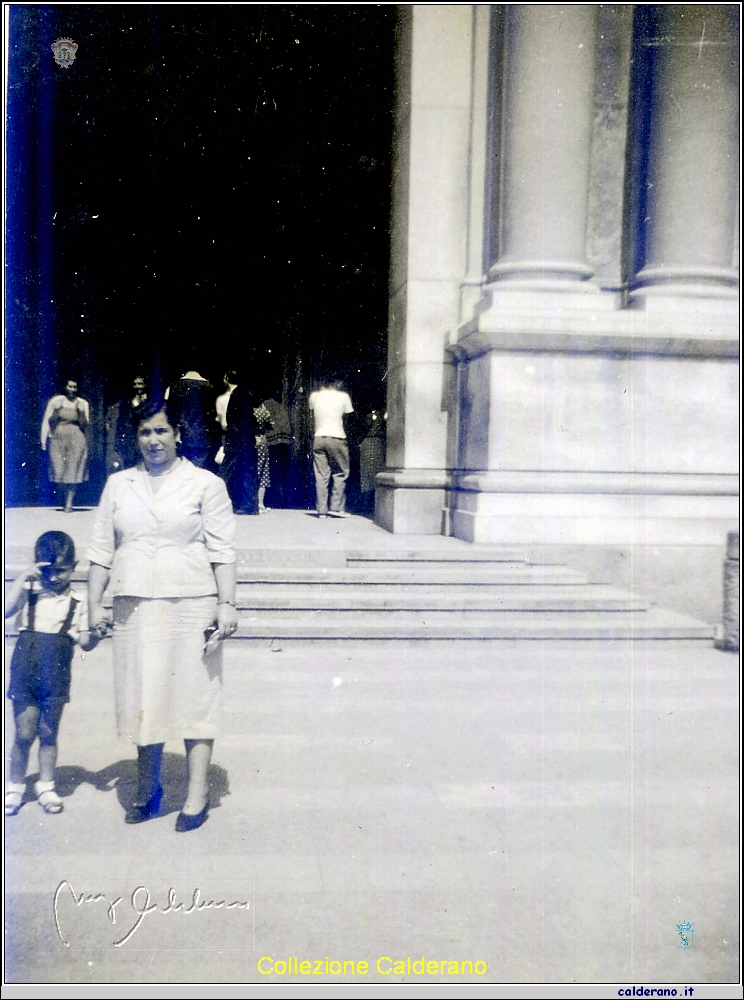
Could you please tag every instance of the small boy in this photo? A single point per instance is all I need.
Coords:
(52, 619)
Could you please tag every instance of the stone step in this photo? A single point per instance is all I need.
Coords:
(473, 554)
(348, 580)
(334, 556)
(654, 624)
(542, 625)
(507, 574)
(409, 573)
(313, 556)
(419, 575)
(440, 597)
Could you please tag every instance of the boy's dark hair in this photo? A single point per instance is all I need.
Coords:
(55, 547)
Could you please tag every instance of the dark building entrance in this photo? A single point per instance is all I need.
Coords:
(208, 179)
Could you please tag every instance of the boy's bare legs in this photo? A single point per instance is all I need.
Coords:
(27, 728)
(48, 727)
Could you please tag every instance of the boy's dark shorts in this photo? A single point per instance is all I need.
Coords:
(40, 669)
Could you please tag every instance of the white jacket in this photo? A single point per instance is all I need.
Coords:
(163, 544)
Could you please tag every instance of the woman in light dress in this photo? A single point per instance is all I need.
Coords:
(63, 436)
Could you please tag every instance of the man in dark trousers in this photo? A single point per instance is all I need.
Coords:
(278, 438)
(239, 468)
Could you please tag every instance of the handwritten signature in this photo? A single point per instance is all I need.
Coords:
(141, 905)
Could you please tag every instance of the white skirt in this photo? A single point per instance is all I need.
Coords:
(165, 687)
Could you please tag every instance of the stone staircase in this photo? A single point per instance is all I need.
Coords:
(428, 592)
(483, 593)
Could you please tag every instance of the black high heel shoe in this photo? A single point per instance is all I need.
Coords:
(186, 822)
(140, 812)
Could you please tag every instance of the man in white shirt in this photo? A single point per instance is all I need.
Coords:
(329, 405)
(230, 381)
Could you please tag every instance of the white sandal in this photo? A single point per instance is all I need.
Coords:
(47, 797)
(14, 798)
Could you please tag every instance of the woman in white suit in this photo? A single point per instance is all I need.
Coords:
(164, 538)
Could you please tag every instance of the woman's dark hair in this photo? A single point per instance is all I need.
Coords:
(55, 547)
(151, 407)
(193, 360)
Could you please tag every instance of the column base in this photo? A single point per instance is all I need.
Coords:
(508, 312)
(412, 501)
(534, 273)
(687, 282)
(595, 518)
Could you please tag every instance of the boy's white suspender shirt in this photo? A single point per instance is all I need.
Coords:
(52, 610)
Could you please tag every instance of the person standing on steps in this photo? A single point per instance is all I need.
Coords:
(329, 405)
(122, 450)
(191, 406)
(371, 457)
(264, 424)
(239, 466)
(279, 438)
(64, 427)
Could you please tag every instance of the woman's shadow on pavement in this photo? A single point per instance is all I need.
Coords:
(121, 778)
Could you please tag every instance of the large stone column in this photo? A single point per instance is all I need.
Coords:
(546, 134)
(428, 259)
(579, 420)
(606, 215)
(582, 421)
(692, 178)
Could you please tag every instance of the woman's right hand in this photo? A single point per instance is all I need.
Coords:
(227, 620)
(99, 620)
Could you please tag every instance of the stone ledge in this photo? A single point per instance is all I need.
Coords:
(629, 483)
(689, 321)
(412, 479)
(476, 342)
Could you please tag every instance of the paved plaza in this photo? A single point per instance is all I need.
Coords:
(549, 810)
